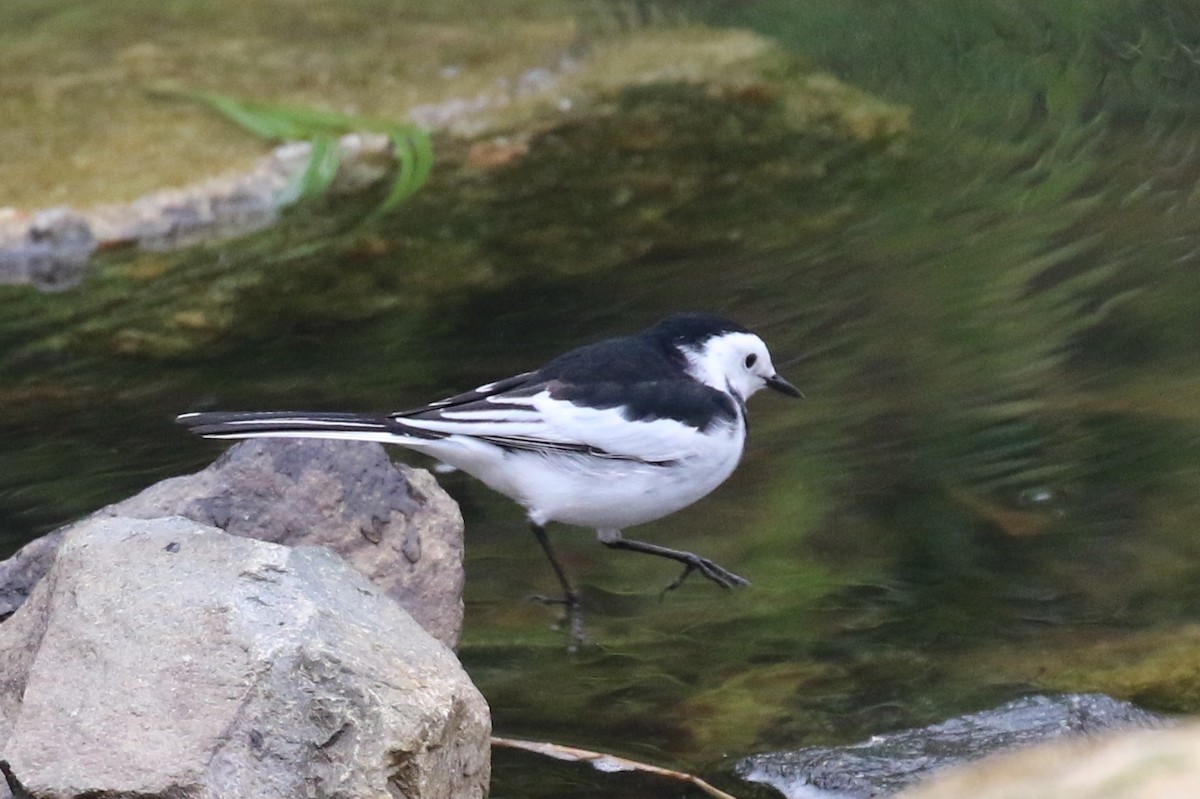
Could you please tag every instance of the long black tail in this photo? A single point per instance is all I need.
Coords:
(293, 424)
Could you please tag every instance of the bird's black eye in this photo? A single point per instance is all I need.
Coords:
(751, 359)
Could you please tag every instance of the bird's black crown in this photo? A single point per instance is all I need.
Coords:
(693, 329)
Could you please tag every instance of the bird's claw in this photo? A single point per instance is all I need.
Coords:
(718, 574)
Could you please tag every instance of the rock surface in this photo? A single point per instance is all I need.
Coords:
(392, 523)
(164, 658)
(885, 764)
(50, 249)
(1147, 764)
(497, 99)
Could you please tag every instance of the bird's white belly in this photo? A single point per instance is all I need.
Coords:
(590, 490)
(611, 493)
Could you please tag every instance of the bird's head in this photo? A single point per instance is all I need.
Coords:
(724, 355)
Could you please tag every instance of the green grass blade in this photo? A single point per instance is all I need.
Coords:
(412, 147)
(322, 166)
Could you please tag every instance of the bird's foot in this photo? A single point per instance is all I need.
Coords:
(572, 625)
(569, 600)
(712, 571)
(571, 621)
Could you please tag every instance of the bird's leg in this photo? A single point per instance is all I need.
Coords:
(691, 562)
(570, 598)
(572, 620)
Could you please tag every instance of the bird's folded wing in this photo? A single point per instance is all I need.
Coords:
(518, 385)
(652, 422)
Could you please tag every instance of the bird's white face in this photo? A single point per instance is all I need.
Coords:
(737, 361)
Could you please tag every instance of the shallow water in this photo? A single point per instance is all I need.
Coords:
(990, 490)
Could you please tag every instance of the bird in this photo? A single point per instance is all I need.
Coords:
(607, 436)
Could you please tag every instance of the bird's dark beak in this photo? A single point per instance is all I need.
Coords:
(783, 387)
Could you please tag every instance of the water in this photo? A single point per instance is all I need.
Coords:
(989, 491)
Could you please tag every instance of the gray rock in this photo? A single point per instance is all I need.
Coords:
(885, 764)
(163, 658)
(20, 573)
(392, 523)
(50, 249)
(52, 252)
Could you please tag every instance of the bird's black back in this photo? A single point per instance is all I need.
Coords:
(644, 374)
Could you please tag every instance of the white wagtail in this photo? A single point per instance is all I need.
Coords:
(609, 435)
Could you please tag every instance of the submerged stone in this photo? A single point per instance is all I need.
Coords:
(885, 764)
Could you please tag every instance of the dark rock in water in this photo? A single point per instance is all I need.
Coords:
(885, 764)
(163, 658)
(392, 523)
